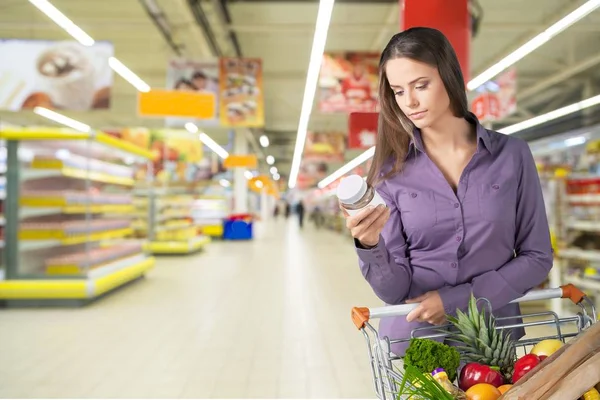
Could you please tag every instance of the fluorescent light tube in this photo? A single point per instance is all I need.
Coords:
(211, 144)
(314, 66)
(191, 128)
(347, 167)
(61, 20)
(128, 75)
(61, 119)
(552, 115)
(534, 43)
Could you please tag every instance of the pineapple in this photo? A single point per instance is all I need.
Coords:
(480, 342)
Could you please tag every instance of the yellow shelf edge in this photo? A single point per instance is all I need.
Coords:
(73, 239)
(64, 134)
(72, 289)
(123, 145)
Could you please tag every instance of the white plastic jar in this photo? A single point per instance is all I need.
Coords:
(355, 194)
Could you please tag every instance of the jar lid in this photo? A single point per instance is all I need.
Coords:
(351, 189)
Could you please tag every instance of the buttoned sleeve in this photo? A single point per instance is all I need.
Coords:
(385, 266)
(533, 248)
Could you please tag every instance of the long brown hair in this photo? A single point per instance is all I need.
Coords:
(395, 130)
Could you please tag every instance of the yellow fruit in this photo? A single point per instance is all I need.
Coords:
(504, 388)
(546, 347)
(483, 391)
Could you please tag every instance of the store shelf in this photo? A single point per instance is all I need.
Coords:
(578, 254)
(584, 199)
(74, 289)
(46, 170)
(63, 238)
(213, 230)
(85, 261)
(2, 220)
(108, 143)
(178, 247)
(588, 226)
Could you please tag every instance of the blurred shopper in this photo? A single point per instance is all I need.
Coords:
(465, 215)
(300, 211)
(288, 210)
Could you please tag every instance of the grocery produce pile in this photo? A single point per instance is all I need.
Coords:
(491, 369)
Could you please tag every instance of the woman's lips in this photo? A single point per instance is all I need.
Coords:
(418, 115)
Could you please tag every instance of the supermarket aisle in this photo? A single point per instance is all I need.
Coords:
(263, 319)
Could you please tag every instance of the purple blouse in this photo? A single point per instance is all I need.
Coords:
(490, 238)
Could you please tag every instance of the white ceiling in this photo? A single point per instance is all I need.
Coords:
(280, 32)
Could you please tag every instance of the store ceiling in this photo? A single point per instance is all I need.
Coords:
(280, 32)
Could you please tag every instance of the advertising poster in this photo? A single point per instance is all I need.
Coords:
(324, 146)
(194, 76)
(498, 98)
(362, 130)
(241, 92)
(348, 82)
(320, 150)
(55, 75)
(178, 155)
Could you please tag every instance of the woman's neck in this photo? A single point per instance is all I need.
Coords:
(450, 133)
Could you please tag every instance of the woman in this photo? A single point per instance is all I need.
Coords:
(465, 212)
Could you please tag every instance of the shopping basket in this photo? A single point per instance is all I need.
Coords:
(386, 376)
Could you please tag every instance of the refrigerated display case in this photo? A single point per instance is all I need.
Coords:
(68, 216)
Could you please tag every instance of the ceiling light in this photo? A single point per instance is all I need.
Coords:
(264, 141)
(128, 75)
(248, 174)
(347, 167)
(225, 183)
(61, 20)
(211, 144)
(314, 66)
(259, 184)
(270, 160)
(273, 170)
(534, 43)
(552, 115)
(276, 177)
(575, 141)
(191, 128)
(61, 119)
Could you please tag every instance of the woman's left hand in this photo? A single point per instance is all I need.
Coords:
(430, 310)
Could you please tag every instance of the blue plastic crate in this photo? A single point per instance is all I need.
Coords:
(237, 230)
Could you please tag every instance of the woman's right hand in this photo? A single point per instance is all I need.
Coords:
(366, 225)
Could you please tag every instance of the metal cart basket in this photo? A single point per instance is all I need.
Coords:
(381, 358)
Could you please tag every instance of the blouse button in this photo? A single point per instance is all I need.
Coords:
(454, 265)
(413, 195)
(495, 187)
(456, 205)
(458, 238)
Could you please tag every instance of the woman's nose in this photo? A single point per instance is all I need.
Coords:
(411, 100)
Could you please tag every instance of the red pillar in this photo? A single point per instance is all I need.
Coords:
(451, 17)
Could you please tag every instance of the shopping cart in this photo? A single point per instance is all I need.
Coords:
(386, 375)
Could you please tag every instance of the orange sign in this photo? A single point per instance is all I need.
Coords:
(171, 103)
(241, 161)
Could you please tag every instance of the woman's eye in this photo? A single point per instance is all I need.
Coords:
(399, 93)
(423, 86)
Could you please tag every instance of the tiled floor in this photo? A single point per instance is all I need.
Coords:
(261, 319)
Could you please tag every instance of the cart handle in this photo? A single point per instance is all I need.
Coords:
(362, 315)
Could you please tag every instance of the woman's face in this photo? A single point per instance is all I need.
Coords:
(419, 91)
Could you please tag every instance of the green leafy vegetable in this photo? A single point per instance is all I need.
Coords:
(421, 385)
(427, 355)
